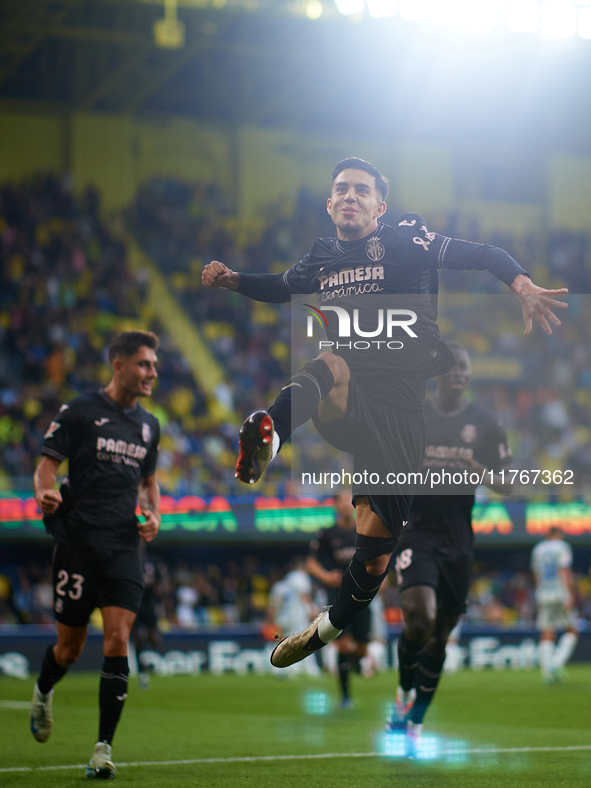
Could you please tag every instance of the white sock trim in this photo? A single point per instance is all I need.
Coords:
(326, 631)
(276, 445)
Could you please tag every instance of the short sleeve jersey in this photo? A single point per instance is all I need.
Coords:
(452, 442)
(547, 559)
(109, 450)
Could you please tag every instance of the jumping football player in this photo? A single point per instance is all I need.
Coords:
(434, 556)
(111, 444)
(369, 404)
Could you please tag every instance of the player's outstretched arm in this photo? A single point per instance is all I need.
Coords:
(47, 498)
(149, 501)
(216, 274)
(537, 303)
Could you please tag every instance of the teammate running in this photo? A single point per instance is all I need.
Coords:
(330, 554)
(111, 444)
(434, 556)
(551, 563)
(370, 404)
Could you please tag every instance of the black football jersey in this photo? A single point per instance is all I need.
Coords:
(109, 450)
(396, 268)
(334, 547)
(452, 442)
(394, 260)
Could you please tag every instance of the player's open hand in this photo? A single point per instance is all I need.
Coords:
(150, 527)
(537, 303)
(216, 274)
(49, 500)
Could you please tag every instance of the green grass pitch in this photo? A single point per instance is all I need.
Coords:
(507, 729)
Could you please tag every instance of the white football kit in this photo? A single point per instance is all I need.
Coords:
(552, 595)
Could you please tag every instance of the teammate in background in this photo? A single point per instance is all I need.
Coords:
(551, 563)
(330, 554)
(291, 608)
(369, 404)
(145, 632)
(111, 444)
(434, 556)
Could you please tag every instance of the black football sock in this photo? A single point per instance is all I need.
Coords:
(50, 673)
(408, 661)
(358, 588)
(426, 679)
(299, 400)
(112, 694)
(345, 668)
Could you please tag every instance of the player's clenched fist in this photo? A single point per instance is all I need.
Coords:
(216, 274)
(150, 527)
(49, 500)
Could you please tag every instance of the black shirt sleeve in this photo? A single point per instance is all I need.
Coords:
(319, 548)
(435, 251)
(152, 455)
(270, 288)
(300, 279)
(62, 433)
(496, 452)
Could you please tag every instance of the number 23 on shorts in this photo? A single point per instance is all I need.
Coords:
(75, 592)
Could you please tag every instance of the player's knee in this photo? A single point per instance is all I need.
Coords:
(116, 642)
(67, 654)
(419, 622)
(378, 566)
(338, 367)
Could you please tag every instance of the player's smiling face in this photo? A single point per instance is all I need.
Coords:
(355, 205)
(137, 373)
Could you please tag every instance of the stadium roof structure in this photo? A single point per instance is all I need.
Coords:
(267, 63)
(102, 55)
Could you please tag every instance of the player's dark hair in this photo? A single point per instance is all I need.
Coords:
(553, 531)
(127, 343)
(354, 163)
(453, 346)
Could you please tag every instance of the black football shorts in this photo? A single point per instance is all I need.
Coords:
(383, 441)
(449, 573)
(89, 577)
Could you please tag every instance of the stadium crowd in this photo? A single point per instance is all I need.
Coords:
(65, 288)
(191, 595)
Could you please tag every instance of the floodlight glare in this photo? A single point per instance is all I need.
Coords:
(415, 10)
(348, 7)
(471, 14)
(313, 9)
(446, 12)
(584, 27)
(559, 19)
(381, 8)
(523, 16)
(481, 15)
